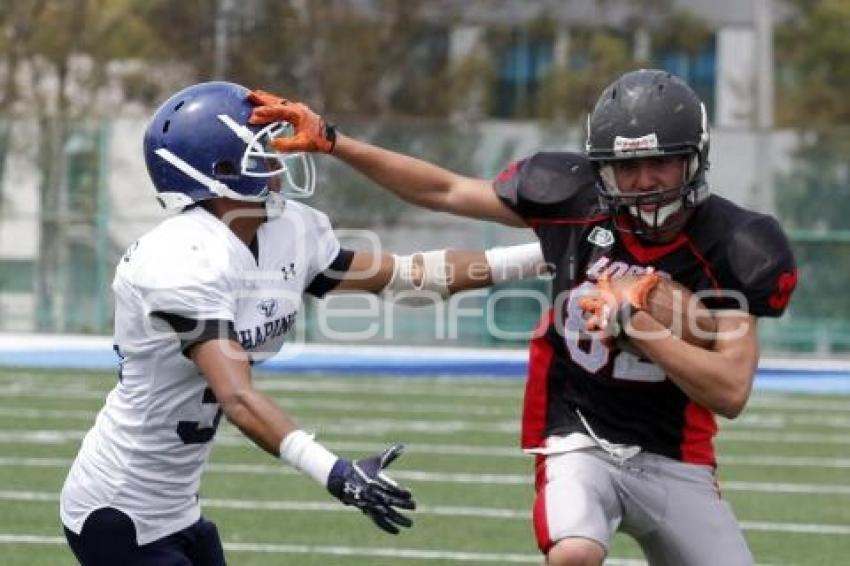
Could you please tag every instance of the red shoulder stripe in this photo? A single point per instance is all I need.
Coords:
(706, 265)
(534, 222)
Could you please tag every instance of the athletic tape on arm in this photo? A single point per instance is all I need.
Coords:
(430, 288)
(303, 453)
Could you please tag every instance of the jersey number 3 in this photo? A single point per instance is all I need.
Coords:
(191, 432)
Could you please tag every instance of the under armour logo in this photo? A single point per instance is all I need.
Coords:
(288, 271)
(355, 491)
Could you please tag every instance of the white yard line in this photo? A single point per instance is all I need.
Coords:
(784, 461)
(353, 425)
(785, 488)
(437, 510)
(33, 384)
(789, 404)
(320, 550)
(780, 437)
(323, 550)
(228, 437)
(783, 421)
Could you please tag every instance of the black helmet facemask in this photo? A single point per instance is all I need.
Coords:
(649, 113)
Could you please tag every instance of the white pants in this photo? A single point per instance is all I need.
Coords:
(673, 509)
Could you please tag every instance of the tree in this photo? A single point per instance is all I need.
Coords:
(813, 197)
(54, 76)
(814, 74)
(570, 93)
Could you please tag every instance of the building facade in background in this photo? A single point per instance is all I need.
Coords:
(106, 200)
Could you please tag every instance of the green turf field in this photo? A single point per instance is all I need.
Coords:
(785, 466)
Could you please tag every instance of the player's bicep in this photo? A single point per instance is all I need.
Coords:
(367, 272)
(224, 365)
(476, 198)
(736, 339)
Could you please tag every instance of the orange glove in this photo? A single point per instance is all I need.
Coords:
(262, 98)
(611, 303)
(311, 132)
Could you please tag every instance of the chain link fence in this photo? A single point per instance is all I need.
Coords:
(72, 200)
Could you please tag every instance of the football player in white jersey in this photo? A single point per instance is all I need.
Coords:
(201, 297)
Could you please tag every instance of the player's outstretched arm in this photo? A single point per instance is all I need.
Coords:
(427, 277)
(425, 184)
(361, 483)
(414, 180)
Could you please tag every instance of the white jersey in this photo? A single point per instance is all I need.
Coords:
(150, 442)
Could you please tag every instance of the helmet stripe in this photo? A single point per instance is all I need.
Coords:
(216, 187)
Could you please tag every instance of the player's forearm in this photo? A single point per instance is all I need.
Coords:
(414, 180)
(467, 269)
(433, 276)
(258, 418)
(720, 382)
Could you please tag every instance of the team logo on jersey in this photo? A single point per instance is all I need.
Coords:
(267, 307)
(253, 339)
(288, 271)
(606, 267)
(600, 237)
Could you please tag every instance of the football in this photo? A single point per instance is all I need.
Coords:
(678, 309)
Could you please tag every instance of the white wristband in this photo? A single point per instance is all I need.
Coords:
(515, 262)
(431, 288)
(306, 455)
(435, 276)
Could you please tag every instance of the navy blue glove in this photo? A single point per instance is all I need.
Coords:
(363, 484)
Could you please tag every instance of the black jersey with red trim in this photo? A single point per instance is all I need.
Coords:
(734, 258)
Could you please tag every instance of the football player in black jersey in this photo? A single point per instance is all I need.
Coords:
(623, 436)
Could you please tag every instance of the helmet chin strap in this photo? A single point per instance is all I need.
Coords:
(275, 205)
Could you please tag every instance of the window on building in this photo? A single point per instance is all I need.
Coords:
(699, 70)
(521, 63)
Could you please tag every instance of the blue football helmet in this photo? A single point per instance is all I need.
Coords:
(199, 145)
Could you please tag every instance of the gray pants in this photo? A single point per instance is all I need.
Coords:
(672, 509)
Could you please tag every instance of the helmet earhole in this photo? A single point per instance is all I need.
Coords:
(225, 169)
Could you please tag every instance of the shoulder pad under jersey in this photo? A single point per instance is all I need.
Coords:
(549, 184)
(761, 262)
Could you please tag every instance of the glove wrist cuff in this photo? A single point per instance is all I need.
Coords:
(624, 316)
(303, 453)
(330, 135)
(336, 477)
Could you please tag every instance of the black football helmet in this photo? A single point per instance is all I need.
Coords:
(649, 113)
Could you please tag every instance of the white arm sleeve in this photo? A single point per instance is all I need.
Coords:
(515, 262)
